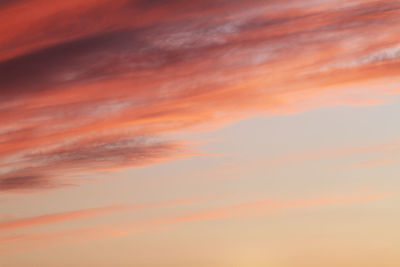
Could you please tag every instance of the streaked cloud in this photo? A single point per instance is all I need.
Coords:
(100, 154)
(88, 85)
(24, 182)
(382, 152)
(83, 214)
(263, 207)
(371, 163)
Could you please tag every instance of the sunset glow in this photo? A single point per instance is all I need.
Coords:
(199, 133)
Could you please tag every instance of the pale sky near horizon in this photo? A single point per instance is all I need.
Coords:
(199, 133)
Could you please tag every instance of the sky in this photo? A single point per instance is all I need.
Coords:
(199, 133)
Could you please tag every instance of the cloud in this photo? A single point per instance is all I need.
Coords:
(381, 150)
(75, 71)
(45, 219)
(107, 153)
(5, 3)
(263, 207)
(24, 182)
(370, 163)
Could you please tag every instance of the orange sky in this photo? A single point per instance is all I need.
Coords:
(140, 117)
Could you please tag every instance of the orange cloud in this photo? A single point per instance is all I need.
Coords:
(74, 90)
(83, 214)
(262, 207)
(256, 208)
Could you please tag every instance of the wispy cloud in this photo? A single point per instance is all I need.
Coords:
(75, 71)
(381, 151)
(370, 163)
(21, 182)
(264, 207)
(40, 169)
(83, 214)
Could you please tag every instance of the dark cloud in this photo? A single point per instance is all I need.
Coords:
(80, 61)
(128, 51)
(85, 156)
(6, 3)
(181, 5)
(104, 56)
(25, 182)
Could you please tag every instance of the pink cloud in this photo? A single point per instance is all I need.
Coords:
(264, 207)
(83, 214)
(90, 84)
